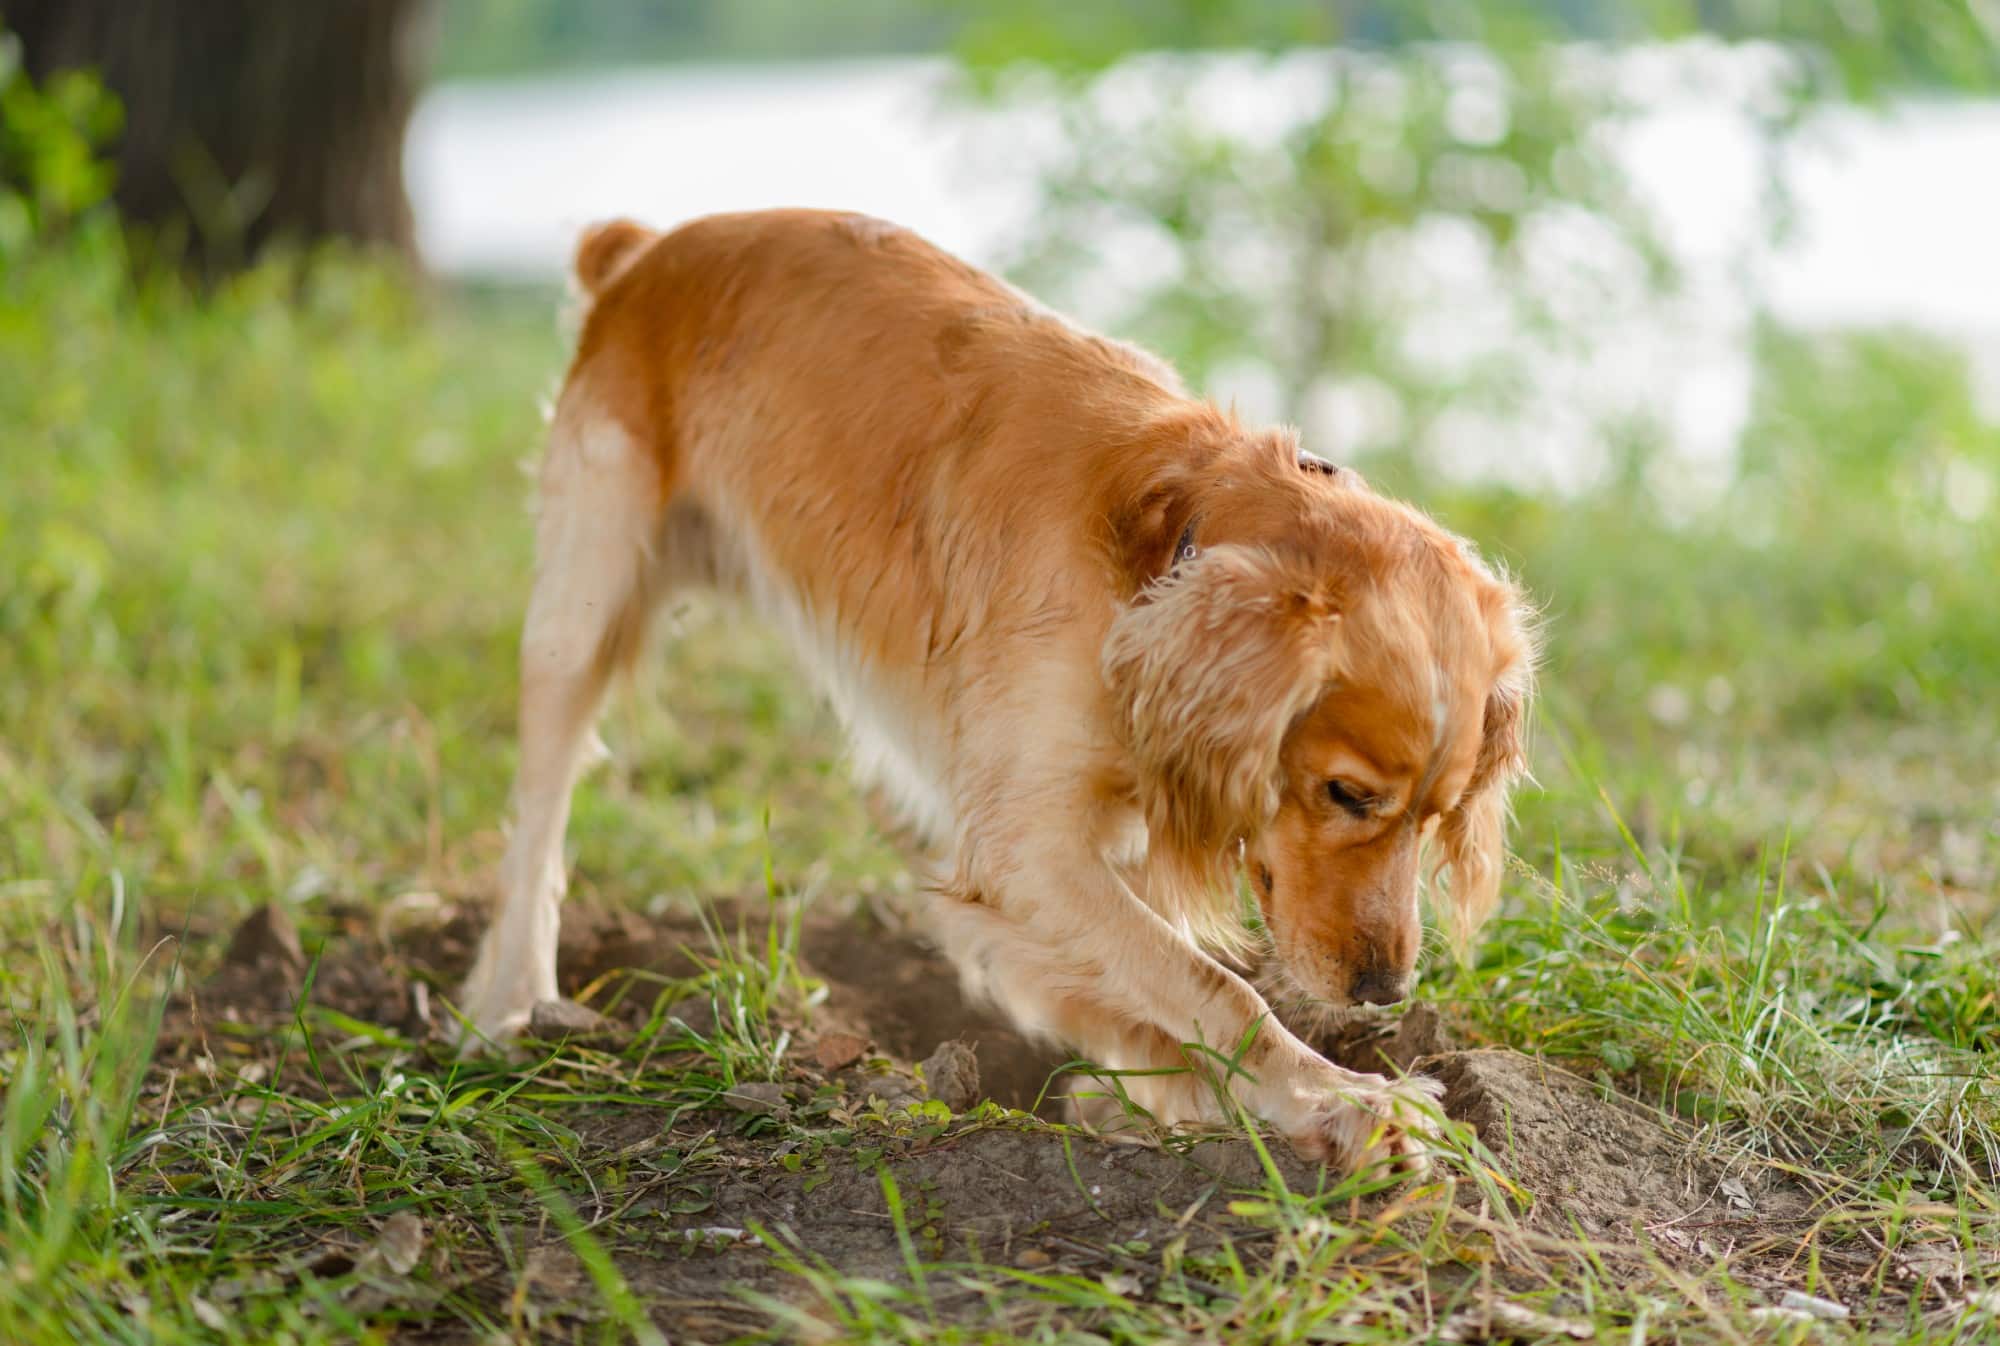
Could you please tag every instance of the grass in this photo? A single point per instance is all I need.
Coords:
(261, 563)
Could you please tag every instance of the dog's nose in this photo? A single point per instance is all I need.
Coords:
(1380, 987)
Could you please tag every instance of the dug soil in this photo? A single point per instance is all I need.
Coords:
(1572, 1160)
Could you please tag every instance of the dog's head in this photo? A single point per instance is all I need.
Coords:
(1326, 684)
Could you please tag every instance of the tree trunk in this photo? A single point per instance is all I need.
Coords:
(247, 121)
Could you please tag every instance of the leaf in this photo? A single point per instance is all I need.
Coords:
(400, 1245)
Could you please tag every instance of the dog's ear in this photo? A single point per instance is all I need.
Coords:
(1208, 668)
(1158, 490)
(1473, 836)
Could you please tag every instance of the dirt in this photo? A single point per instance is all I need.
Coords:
(994, 1195)
(1583, 1158)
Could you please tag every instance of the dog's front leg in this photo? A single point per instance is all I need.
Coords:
(1100, 970)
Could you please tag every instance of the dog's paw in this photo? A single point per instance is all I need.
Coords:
(485, 1029)
(491, 1018)
(1372, 1122)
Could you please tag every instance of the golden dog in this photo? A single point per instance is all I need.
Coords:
(1102, 646)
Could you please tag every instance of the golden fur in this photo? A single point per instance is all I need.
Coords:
(969, 517)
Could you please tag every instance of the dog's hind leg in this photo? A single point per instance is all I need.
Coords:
(602, 500)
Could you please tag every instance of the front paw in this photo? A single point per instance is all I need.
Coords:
(1367, 1121)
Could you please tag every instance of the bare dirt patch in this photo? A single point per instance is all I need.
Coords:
(679, 1200)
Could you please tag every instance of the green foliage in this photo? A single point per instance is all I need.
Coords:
(1838, 564)
(1861, 49)
(1304, 241)
(51, 172)
(1857, 50)
(1285, 240)
(1291, 250)
(492, 37)
(1889, 416)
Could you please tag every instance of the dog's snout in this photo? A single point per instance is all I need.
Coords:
(1380, 986)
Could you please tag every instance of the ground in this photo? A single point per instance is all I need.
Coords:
(1720, 1070)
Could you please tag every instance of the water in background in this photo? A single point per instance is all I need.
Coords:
(1898, 216)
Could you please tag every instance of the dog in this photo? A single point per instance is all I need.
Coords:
(1102, 647)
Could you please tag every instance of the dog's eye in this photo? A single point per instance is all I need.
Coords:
(1309, 462)
(1355, 801)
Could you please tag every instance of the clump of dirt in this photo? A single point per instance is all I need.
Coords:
(1384, 1042)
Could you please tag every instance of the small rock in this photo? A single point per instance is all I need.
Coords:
(951, 1073)
(1826, 1310)
(401, 1242)
(758, 1099)
(719, 1236)
(268, 940)
(1033, 1257)
(557, 1020)
(837, 1051)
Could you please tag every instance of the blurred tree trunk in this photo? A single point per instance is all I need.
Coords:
(247, 121)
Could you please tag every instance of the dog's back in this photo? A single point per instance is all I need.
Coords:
(818, 396)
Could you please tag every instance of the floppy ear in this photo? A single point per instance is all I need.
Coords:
(1473, 836)
(1208, 667)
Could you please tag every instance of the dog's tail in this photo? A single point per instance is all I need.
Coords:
(605, 251)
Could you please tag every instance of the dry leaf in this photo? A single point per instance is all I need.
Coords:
(1501, 1321)
(401, 1243)
(837, 1051)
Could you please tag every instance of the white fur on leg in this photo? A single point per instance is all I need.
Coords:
(598, 512)
(516, 968)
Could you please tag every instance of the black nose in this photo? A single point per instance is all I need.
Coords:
(1380, 987)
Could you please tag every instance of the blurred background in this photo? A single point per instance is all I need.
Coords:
(1688, 310)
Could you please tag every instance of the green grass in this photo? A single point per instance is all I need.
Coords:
(261, 563)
